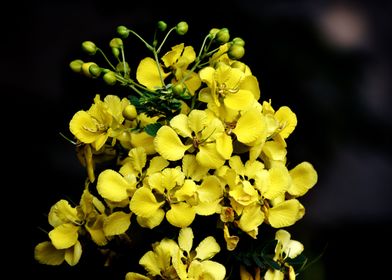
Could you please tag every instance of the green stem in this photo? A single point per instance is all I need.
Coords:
(124, 62)
(107, 60)
(159, 68)
(164, 39)
(141, 39)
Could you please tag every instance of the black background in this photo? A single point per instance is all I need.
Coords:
(340, 91)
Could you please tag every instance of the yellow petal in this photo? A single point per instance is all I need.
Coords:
(250, 126)
(144, 203)
(138, 158)
(284, 214)
(279, 180)
(185, 239)
(240, 100)
(274, 150)
(231, 240)
(83, 126)
(208, 208)
(168, 144)
(207, 248)
(143, 139)
(251, 84)
(171, 57)
(303, 178)
(64, 236)
(73, 254)
(236, 164)
(46, 253)
(287, 119)
(180, 124)
(95, 229)
(135, 276)
(152, 221)
(147, 73)
(150, 263)
(192, 169)
(117, 223)
(210, 189)
(111, 185)
(157, 164)
(224, 145)
(212, 270)
(187, 190)
(197, 120)
(272, 274)
(62, 212)
(180, 215)
(193, 82)
(209, 157)
(252, 217)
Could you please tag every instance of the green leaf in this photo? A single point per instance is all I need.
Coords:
(152, 128)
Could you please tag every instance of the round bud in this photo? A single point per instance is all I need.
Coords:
(116, 43)
(76, 65)
(115, 52)
(122, 31)
(120, 67)
(239, 41)
(89, 47)
(182, 28)
(86, 68)
(129, 112)
(162, 25)
(239, 65)
(236, 52)
(223, 36)
(178, 89)
(110, 78)
(219, 64)
(95, 70)
(213, 32)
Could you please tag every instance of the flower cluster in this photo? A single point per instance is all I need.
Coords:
(191, 142)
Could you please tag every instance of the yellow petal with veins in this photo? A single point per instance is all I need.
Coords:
(149, 74)
(64, 236)
(180, 215)
(169, 145)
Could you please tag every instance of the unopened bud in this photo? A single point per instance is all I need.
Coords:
(162, 25)
(89, 47)
(239, 41)
(223, 36)
(122, 31)
(110, 78)
(129, 112)
(76, 65)
(236, 52)
(116, 43)
(182, 28)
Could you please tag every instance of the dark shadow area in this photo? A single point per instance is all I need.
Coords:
(329, 61)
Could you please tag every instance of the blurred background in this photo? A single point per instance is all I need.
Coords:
(329, 61)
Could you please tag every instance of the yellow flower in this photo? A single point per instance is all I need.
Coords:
(285, 248)
(200, 130)
(178, 59)
(228, 86)
(150, 74)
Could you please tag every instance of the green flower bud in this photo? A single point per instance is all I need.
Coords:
(123, 31)
(239, 65)
(110, 78)
(238, 41)
(86, 68)
(223, 36)
(76, 65)
(89, 47)
(116, 43)
(236, 52)
(115, 52)
(120, 67)
(213, 32)
(178, 89)
(182, 28)
(129, 112)
(162, 25)
(95, 70)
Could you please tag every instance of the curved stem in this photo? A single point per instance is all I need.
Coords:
(164, 39)
(107, 60)
(141, 39)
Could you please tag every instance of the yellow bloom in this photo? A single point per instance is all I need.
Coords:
(228, 86)
(149, 74)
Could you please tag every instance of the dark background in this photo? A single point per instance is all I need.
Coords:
(329, 61)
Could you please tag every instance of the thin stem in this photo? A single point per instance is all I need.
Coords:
(164, 39)
(159, 68)
(107, 60)
(141, 39)
(124, 62)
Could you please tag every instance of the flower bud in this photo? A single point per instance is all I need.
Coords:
(76, 65)
(162, 25)
(95, 70)
(89, 47)
(110, 78)
(86, 68)
(116, 43)
(236, 52)
(123, 31)
(116, 52)
(120, 67)
(213, 32)
(182, 28)
(239, 65)
(223, 36)
(238, 41)
(178, 89)
(129, 112)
